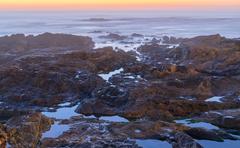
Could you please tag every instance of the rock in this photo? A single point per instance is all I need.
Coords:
(50, 80)
(114, 37)
(26, 131)
(88, 133)
(146, 129)
(137, 35)
(222, 118)
(3, 136)
(203, 134)
(43, 71)
(206, 52)
(113, 95)
(182, 140)
(19, 42)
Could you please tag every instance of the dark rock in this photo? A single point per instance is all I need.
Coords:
(223, 118)
(114, 36)
(203, 134)
(20, 42)
(137, 35)
(183, 140)
(88, 133)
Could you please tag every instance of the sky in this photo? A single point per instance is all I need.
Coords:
(120, 4)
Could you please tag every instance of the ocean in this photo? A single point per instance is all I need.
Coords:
(170, 23)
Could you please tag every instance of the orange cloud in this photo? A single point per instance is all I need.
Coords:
(86, 4)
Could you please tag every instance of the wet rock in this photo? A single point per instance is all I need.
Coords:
(137, 35)
(210, 134)
(114, 37)
(99, 133)
(223, 118)
(171, 40)
(26, 131)
(48, 81)
(200, 133)
(183, 140)
(6, 113)
(112, 95)
(166, 84)
(147, 129)
(107, 99)
(88, 133)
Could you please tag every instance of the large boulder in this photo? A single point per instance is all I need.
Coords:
(26, 131)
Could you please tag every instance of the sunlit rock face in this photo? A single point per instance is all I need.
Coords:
(29, 128)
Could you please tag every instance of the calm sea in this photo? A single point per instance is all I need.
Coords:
(180, 24)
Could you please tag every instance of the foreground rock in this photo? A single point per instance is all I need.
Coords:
(26, 131)
(91, 132)
(3, 136)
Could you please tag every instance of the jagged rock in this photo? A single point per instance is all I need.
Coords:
(25, 131)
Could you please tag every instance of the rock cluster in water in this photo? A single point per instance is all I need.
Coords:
(197, 78)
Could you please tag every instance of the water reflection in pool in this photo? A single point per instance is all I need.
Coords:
(152, 143)
(62, 113)
(56, 130)
(188, 122)
(225, 144)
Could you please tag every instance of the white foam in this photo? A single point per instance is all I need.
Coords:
(137, 131)
(64, 104)
(215, 99)
(107, 76)
(173, 46)
(129, 77)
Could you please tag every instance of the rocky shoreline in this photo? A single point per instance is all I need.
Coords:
(82, 96)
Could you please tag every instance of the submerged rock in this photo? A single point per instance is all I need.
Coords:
(182, 140)
(114, 37)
